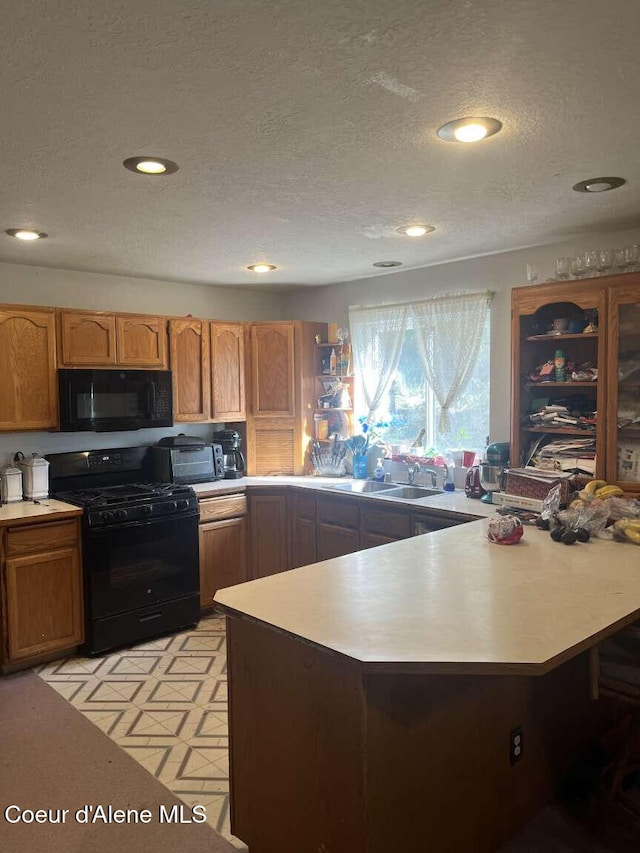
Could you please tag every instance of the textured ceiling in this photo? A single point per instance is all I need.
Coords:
(306, 131)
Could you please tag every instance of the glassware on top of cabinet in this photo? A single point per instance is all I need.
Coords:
(563, 268)
(591, 260)
(578, 267)
(605, 261)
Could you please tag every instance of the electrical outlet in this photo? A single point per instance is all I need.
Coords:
(516, 744)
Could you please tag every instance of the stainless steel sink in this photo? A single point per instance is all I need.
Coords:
(362, 486)
(412, 493)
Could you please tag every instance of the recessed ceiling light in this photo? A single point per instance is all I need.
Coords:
(385, 264)
(150, 165)
(25, 234)
(415, 230)
(261, 267)
(598, 185)
(470, 129)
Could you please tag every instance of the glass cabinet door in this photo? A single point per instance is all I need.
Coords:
(623, 432)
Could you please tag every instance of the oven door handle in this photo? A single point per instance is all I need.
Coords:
(131, 525)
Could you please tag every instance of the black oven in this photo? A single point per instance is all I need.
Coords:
(142, 579)
(105, 400)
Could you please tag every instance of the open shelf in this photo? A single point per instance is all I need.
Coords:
(560, 384)
(560, 430)
(563, 337)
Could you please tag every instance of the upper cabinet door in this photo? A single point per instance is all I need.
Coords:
(623, 395)
(141, 341)
(190, 366)
(272, 366)
(28, 388)
(87, 338)
(227, 372)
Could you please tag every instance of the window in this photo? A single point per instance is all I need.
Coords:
(409, 404)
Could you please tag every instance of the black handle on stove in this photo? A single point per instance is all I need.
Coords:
(150, 617)
(130, 525)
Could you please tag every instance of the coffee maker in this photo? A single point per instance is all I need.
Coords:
(234, 464)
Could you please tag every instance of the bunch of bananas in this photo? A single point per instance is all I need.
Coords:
(627, 529)
(600, 489)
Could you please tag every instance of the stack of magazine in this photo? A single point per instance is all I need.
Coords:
(573, 455)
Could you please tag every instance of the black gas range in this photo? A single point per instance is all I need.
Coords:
(113, 505)
(139, 545)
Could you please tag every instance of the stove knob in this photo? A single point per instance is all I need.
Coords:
(147, 509)
(183, 504)
(106, 516)
(121, 513)
(173, 505)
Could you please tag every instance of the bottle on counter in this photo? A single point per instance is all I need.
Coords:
(449, 482)
(378, 471)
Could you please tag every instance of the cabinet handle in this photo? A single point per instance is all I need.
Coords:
(47, 525)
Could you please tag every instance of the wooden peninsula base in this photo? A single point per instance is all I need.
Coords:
(327, 757)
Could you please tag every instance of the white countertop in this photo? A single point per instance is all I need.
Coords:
(451, 502)
(452, 602)
(24, 511)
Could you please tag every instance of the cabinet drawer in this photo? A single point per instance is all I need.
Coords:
(396, 525)
(226, 506)
(304, 506)
(41, 537)
(424, 523)
(340, 512)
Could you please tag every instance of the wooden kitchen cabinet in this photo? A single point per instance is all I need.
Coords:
(223, 545)
(268, 533)
(533, 311)
(425, 522)
(612, 303)
(207, 363)
(28, 384)
(41, 591)
(623, 395)
(228, 401)
(272, 370)
(304, 549)
(338, 527)
(141, 340)
(282, 367)
(191, 367)
(100, 339)
(86, 338)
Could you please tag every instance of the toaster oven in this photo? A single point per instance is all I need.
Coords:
(187, 462)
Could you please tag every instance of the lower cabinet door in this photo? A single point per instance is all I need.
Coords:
(223, 557)
(44, 603)
(303, 542)
(334, 541)
(269, 540)
(371, 540)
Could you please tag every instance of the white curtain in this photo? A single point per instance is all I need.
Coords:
(377, 335)
(448, 334)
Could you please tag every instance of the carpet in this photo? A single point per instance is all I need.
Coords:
(51, 757)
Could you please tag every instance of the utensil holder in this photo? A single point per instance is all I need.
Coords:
(360, 467)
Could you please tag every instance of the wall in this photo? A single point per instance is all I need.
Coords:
(498, 272)
(27, 285)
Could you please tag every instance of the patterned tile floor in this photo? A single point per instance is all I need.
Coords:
(165, 703)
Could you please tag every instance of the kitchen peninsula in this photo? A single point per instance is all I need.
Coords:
(374, 698)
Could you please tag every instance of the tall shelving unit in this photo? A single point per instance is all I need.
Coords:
(334, 391)
(533, 310)
(614, 349)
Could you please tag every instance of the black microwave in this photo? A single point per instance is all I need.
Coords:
(108, 400)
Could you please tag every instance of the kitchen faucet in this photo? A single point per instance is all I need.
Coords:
(434, 475)
(414, 468)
